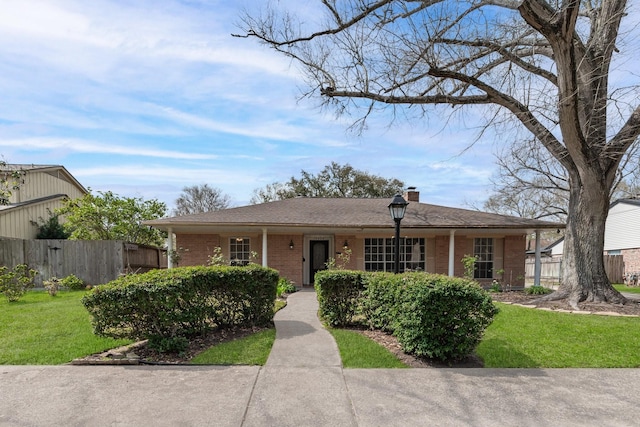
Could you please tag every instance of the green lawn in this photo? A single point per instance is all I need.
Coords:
(251, 350)
(358, 351)
(44, 330)
(629, 289)
(528, 338)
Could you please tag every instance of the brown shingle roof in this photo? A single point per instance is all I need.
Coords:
(347, 212)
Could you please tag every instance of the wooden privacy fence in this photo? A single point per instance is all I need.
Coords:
(93, 261)
(551, 270)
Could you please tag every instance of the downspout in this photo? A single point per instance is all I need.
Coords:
(264, 247)
(452, 252)
(537, 266)
(169, 247)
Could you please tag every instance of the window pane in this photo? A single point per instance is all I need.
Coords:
(380, 254)
(239, 250)
(483, 251)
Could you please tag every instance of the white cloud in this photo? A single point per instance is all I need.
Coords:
(85, 146)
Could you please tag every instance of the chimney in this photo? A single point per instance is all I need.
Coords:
(411, 195)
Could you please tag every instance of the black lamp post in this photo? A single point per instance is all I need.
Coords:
(397, 208)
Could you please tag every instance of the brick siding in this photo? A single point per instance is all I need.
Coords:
(287, 261)
(195, 249)
(631, 259)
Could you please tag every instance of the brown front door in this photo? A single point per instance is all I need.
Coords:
(319, 254)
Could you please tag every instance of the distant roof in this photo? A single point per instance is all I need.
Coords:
(350, 213)
(28, 167)
(5, 208)
(630, 201)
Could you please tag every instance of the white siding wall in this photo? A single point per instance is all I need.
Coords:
(558, 249)
(16, 223)
(39, 184)
(623, 227)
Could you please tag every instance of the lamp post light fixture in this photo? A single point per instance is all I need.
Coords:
(397, 208)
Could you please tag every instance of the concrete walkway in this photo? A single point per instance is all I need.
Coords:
(303, 384)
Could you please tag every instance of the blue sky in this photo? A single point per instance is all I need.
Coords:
(143, 98)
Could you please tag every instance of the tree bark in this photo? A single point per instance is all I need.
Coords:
(584, 277)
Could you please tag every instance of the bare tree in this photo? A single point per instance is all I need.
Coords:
(544, 65)
(200, 198)
(530, 183)
(334, 180)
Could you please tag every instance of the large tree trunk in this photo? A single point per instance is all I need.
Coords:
(584, 277)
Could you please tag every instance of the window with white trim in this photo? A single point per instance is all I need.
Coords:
(379, 254)
(483, 251)
(239, 250)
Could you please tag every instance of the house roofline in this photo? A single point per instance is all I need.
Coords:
(15, 206)
(628, 201)
(196, 227)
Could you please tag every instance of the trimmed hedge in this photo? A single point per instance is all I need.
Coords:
(380, 300)
(338, 294)
(180, 302)
(442, 317)
(432, 315)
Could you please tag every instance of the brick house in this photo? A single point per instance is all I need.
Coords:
(298, 236)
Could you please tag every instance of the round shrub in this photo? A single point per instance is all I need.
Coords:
(442, 317)
(72, 283)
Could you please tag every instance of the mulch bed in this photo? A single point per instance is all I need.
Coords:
(197, 345)
(391, 343)
(632, 307)
(140, 353)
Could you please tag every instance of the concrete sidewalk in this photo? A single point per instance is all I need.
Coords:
(302, 381)
(303, 384)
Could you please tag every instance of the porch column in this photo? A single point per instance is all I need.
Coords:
(169, 247)
(452, 252)
(264, 247)
(537, 266)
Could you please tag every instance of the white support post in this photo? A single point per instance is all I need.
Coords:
(264, 247)
(538, 265)
(169, 247)
(452, 252)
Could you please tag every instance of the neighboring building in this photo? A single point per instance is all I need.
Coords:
(42, 190)
(298, 236)
(621, 234)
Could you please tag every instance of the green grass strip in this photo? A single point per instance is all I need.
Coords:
(44, 330)
(358, 351)
(528, 338)
(251, 350)
(628, 289)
